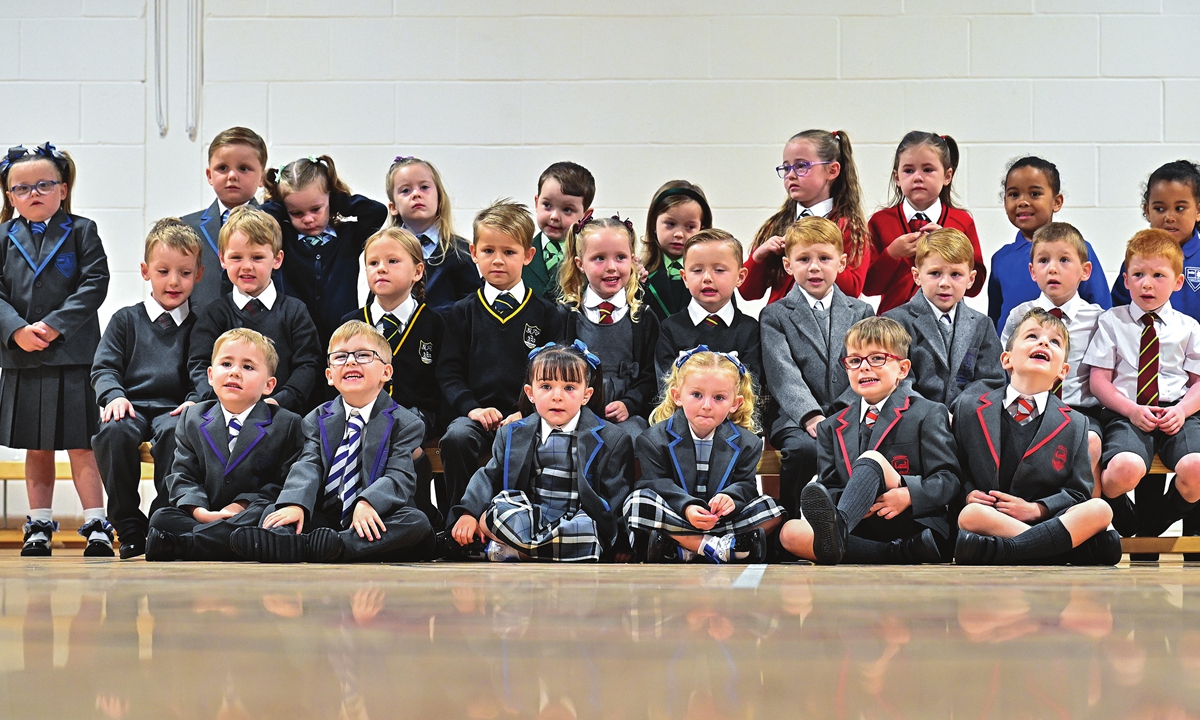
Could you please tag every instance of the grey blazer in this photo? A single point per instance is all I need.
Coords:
(389, 439)
(803, 375)
(215, 283)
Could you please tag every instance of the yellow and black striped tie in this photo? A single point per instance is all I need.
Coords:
(390, 325)
(505, 304)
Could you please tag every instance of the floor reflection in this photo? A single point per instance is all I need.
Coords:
(242, 641)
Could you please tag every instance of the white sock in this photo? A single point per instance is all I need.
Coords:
(720, 545)
(93, 514)
(90, 514)
(42, 514)
(685, 554)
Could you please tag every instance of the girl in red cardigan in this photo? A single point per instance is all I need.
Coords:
(820, 178)
(921, 175)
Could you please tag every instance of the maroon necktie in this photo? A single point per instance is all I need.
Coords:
(1148, 353)
(1058, 383)
(606, 310)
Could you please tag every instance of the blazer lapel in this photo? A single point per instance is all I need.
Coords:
(210, 226)
(847, 436)
(804, 321)
(247, 439)
(682, 450)
(332, 421)
(537, 266)
(964, 331)
(58, 229)
(522, 442)
(1056, 418)
(213, 423)
(587, 445)
(925, 320)
(726, 449)
(375, 435)
(839, 324)
(987, 414)
(891, 412)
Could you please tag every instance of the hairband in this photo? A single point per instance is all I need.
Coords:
(685, 355)
(279, 173)
(591, 358)
(687, 193)
(587, 218)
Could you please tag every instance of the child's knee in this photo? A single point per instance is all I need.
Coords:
(972, 517)
(1124, 472)
(795, 534)
(1187, 472)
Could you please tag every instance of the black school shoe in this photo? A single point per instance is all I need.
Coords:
(101, 547)
(446, 548)
(918, 549)
(254, 543)
(751, 545)
(973, 549)
(829, 530)
(661, 548)
(38, 534)
(135, 546)
(163, 546)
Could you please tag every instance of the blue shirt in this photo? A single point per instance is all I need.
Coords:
(1187, 298)
(1009, 282)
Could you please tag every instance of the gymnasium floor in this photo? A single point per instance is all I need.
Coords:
(82, 639)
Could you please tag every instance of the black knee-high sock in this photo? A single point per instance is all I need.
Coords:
(864, 551)
(1040, 541)
(866, 482)
(1125, 518)
(1170, 509)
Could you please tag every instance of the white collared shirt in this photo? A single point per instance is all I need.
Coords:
(402, 312)
(696, 438)
(267, 297)
(154, 309)
(937, 313)
(933, 212)
(490, 293)
(826, 302)
(821, 209)
(1039, 399)
(364, 411)
(568, 428)
(592, 300)
(863, 405)
(241, 417)
(432, 233)
(1080, 317)
(1117, 344)
(697, 312)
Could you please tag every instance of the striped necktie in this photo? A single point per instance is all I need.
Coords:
(37, 228)
(1056, 312)
(606, 310)
(714, 320)
(552, 253)
(235, 428)
(1023, 410)
(806, 213)
(919, 220)
(871, 416)
(165, 322)
(341, 489)
(674, 269)
(319, 239)
(389, 325)
(225, 217)
(1148, 353)
(504, 304)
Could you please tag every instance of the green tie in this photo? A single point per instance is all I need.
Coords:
(674, 268)
(553, 254)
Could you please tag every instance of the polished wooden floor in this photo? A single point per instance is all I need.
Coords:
(81, 639)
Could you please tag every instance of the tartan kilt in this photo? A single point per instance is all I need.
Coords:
(646, 510)
(518, 522)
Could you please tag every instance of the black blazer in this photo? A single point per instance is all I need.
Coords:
(1056, 470)
(665, 296)
(450, 275)
(640, 395)
(63, 286)
(667, 454)
(603, 455)
(208, 475)
(914, 435)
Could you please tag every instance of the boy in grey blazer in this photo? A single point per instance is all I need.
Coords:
(803, 341)
(350, 496)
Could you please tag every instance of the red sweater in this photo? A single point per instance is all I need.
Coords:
(849, 281)
(891, 278)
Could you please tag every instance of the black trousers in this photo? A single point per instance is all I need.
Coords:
(797, 465)
(116, 445)
(207, 541)
(461, 447)
(409, 536)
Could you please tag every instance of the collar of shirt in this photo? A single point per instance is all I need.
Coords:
(1039, 399)
(1070, 308)
(933, 212)
(696, 438)
(863, 405)
(365, 410)
(937, 313)
(402, 312)
(241, 417)
(697, 313)
(821, 209)
(222, 208)
(569, 428)
(1020, 243)
(826, 301)
(592, 300)
(490, 292)
(1136, 312)
(154, 309)
(266, 297)
(432, 233)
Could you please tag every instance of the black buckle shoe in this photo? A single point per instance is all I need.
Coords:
(918, 549)
(255, 543)
(829, 530)
(753, 544)
(97, 548)
(38, 534)
(973, 549)
(133, 548)
(661, 548)
(163, 546)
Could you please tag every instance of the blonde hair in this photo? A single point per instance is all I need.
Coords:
(1046, 320)
(258, 227)
(352, 329)
(1152, 243)
(299, 174)
(508, 217)
(882, 332)
(812, 231)
(573, 280)
(710, 362)
(716, 236)
(950, 244)
(175, 234)
(1060, 232)
(253, 338)
(443, 220)
(409, 244)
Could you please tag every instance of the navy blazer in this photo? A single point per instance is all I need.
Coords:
(215, 283)
(62, 286)
(450, 275)
(207, 474)
(667, 454)
(386, 466)
(1055, 471)
(603, 456)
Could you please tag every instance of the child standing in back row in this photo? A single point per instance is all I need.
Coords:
(565, 194)
(679, 210)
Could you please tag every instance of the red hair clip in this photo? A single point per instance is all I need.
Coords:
(587, 218)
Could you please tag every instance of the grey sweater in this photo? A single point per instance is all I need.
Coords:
(142, 362)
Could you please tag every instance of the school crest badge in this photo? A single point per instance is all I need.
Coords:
(1193, 277)
(900, 464)
(425, 352)
(1059, 461)
(65, 263)
(532, 333)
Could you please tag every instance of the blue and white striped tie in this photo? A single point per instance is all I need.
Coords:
(235, 427)
(343, 476)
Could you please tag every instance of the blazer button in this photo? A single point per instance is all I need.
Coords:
(38, 284)
(38, 309)
(318, 257)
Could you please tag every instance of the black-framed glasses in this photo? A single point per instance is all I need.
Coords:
(801, 168)
(854, 362)
(43, 187)
(361, 357)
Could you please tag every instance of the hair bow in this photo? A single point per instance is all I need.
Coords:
(403, 158)
(314, 159)
(587, 218)
(685, 355)
(279, 175)
(48, 150)
(588, 355)
(14, 154)
(626, 222)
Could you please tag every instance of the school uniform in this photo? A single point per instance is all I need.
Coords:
(727, 330)
(758, 275)
(214, 467)
(553, 495)
(680, 469)
(383, 476)
(207, 224)
(664, 291)
(142, 358)
(284, 320)
(322, 271)
(1187, 298)
(891, 278)
(626, 350)
(537, 276)
(58, 276)
(950, 357)
(803, 343)
(1010, 283)
(450, 273)
(1080, 317)
(485, 352)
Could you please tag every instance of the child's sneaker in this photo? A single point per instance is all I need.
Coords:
(717, 549)
(99, 534)
(37, 537)
(499, 552)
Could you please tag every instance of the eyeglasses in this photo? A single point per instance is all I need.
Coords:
(801, 168)
(43, 187)
(361, 357)
(854, 362)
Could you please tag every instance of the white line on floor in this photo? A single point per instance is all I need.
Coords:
(750, 577)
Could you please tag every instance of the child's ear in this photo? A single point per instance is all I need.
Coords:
(210, 380)
(787, 264)
(529, 392)
(1178, 283)
(579, 263)
(329, 375)
(1058, 203)
(392, 209)
(419, 271)
(676, 396)
(916, 276)
(529, 255)
(842, 263)
(587, 394)
(834, 169)
(949, 176)
(388, 371)
(199, 274)
(278, 260)
(270, 386)
(145, 271)
(1034, 277)
(741, 278)
(1062, 373)
(736, 404)
(905, 368)
(971, 279)
(1087, 270)
(1006, 361)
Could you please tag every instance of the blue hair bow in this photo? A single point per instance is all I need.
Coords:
(49, 151)
(591, 358)
(14, 154)
(685, 355)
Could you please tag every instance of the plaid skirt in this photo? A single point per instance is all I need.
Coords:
(646, 510)
(519, 523)
(51, 407)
